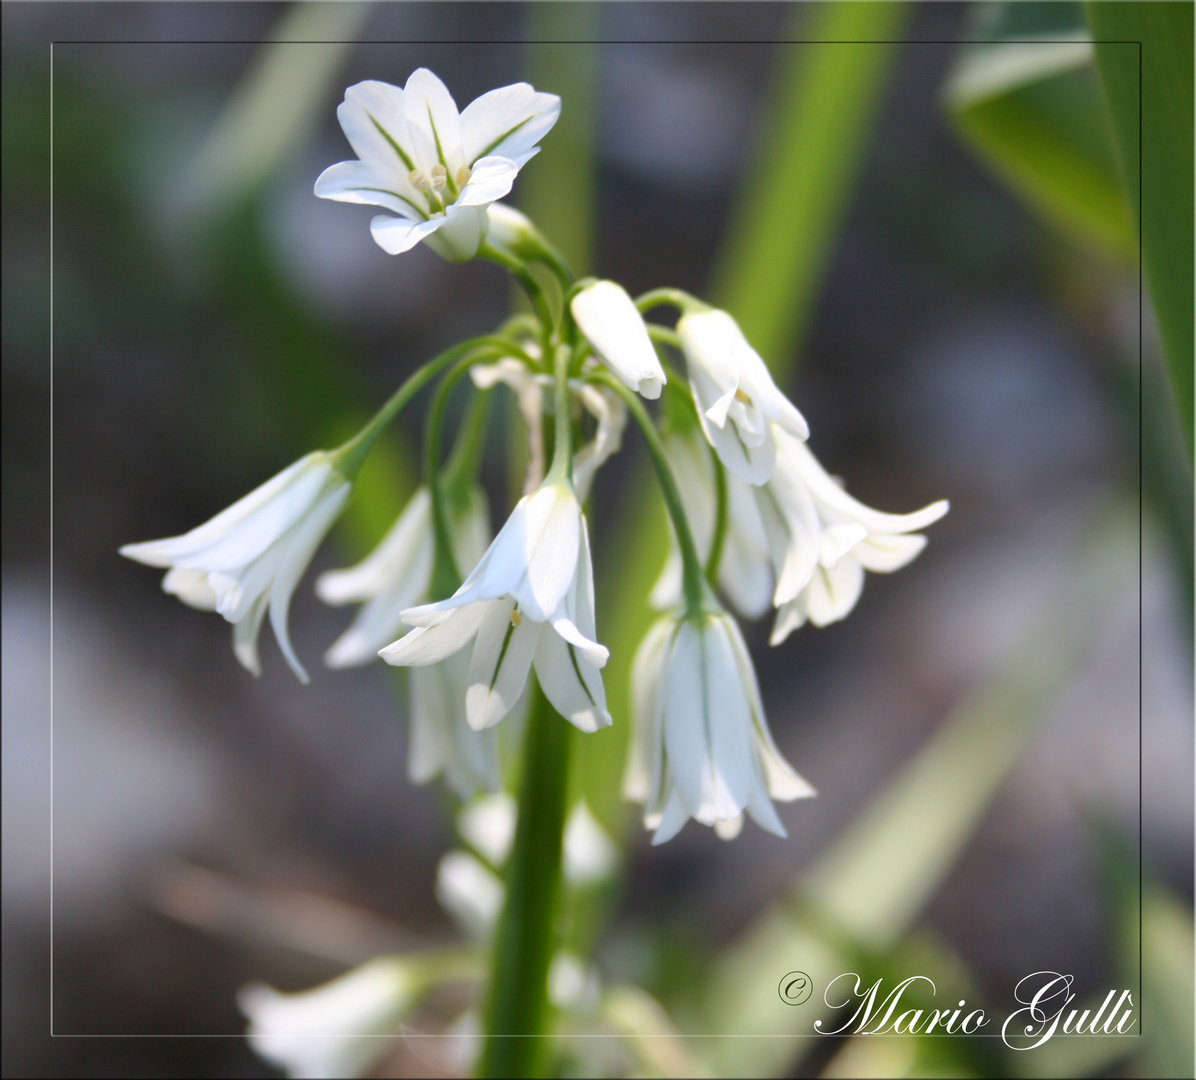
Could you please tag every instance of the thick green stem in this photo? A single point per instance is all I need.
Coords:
(697, 593)
(517, 1012)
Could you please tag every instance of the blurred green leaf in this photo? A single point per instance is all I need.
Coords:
(1153, 81)
(813, 134)
(273, 109)
(869, 888)
(1031, 108)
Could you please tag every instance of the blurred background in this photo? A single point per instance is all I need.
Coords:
(1001, 734)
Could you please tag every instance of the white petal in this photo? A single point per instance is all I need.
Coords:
(431, 644)
(357, 182)
(886, 552)
(793, 531)
(396, 235)
(299, 550)
(509, 121)
(643, 760)
(433, 122)
(501, 659)
(245, 634)
(374, 121)
(729, 828)
(403, 554)
(576, 624)
(706, 724)
(571, 683)
(440, 734)
(470, 892)
(488, 826)
(190, 586)
(751, 464)
(461, 232)
(672, 819)
(491, 180)
(831, 594)
(790, 617)
(612, 324)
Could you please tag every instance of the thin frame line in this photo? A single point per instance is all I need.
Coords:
(596, 42)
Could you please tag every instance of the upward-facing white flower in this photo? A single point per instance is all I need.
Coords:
(702, 747)
(335, 1030)
(436, 168)
(612, 324)
(822, 540)
(251, 556)
(529, 599)
(738, 403)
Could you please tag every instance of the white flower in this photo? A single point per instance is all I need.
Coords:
(744, 572)
(822, 540)
(702, 747)
(436, 168)
(338, 1029)
(738, 403)
(251, 556)
(488, 826)
(612, 324)
(590, 854)
(441, 738)
(529, 599)
(397, 573)
(470, 892)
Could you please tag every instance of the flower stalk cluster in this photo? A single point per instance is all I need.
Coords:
(754, 519)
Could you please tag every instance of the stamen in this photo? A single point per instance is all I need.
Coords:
(463, 175)
(418, 180)
(516, 618)
(741, 396)
(439, 177)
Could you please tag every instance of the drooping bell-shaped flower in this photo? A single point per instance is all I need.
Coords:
(822, 540)
(530, 599)
(337, 1029)
(397, 573)
(250, 557)
(738, 404)
(436, 168)
(702, 747)
(612, 324)
(744, 570)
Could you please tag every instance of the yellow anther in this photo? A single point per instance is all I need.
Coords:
(741, 396)
(439, 177)
(516, 618)
(418, 180)
(463, 175)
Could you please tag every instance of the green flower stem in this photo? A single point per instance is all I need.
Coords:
(561, 470)
(518, 269)
(446, 575)
(462, 466)
(698, 596)
(721, 520)
(677, 298)
(350, 456)
(517, 1011)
